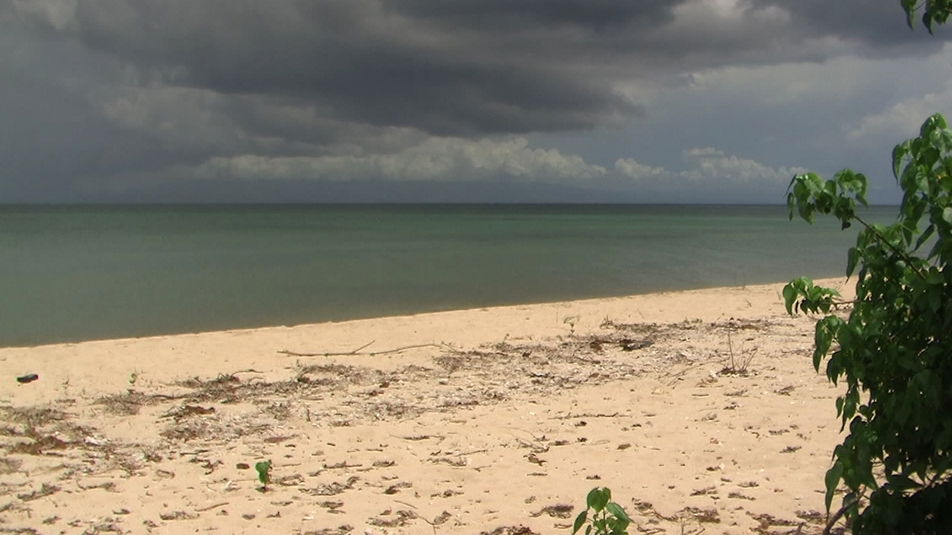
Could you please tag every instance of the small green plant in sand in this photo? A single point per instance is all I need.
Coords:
(607, 517)
(264, 473)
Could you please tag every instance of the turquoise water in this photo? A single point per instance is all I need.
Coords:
(91, 272)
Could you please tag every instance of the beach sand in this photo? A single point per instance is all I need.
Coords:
(491, 421)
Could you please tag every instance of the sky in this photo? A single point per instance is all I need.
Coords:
(650, 101)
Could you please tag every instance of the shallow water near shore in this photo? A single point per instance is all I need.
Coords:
(71, 273)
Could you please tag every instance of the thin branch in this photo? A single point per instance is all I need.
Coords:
(210, 507)
(905, 256)
(839, 514)
(358, 351)
(834, 519)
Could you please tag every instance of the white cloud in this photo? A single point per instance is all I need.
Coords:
(434, 159)
(631, 168)
(710, 163)
(903, 119)
(787, 83)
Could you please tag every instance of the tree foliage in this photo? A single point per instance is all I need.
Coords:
(894, 350)
(933, 12)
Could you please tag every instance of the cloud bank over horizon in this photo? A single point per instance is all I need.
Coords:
(654, 101)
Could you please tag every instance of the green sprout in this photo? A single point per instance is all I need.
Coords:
(608, 518)
(264, 473)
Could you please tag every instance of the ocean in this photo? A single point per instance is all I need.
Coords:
(72, 273)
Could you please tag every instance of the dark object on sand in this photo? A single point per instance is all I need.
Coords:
(29, 378)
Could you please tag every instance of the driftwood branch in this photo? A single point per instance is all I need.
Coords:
(210, 507)
(358, 351)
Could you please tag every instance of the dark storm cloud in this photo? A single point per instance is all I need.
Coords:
(494, 15)
(468, 67)
(361, 60)
(139, 88)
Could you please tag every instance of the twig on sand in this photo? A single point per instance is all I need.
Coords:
(571, 416)
(210, 507)
(358, 351)
(408, 504)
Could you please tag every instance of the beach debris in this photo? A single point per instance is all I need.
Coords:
(559, 510)
(458, 462)
(627, 344)
(44, 490)
(177, 515)
(96, 441)
(533, 458)
(441, 519)
(332, 489)
(702, 515)
(704, 492)
(400, 519)
(208, 507)
(343, 529)
(28, 378)
(768, 522)
(333, 507)
(785, 391)
(359, 352)
(395, 488)
(510, 530)
(186, 411)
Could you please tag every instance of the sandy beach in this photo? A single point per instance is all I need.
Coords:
(699, 409)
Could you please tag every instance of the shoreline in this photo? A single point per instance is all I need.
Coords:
(833, 282)
(700, 409)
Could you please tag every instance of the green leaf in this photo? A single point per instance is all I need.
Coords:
(619, 525)
(901, 482)
(899, 152)
(264, 471)
(926, 234)
(616, 510)
(593, 497)
(789, 297)
(597, 498)
(580, 521)
(947, 214)
(852, 257)
(832, 480)
(910, 7)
